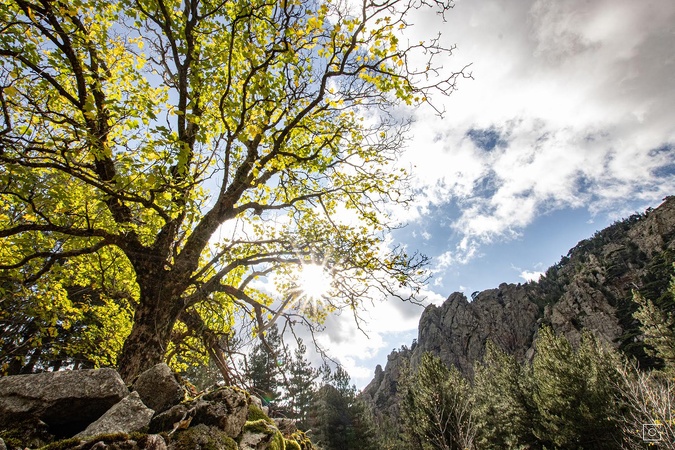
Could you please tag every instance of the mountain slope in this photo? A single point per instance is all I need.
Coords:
(590, 288)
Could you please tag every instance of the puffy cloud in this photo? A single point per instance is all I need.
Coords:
(529, 275)
(571, 106)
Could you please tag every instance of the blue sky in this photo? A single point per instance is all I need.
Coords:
(567, 126)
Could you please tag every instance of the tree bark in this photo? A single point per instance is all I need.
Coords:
(154, 319)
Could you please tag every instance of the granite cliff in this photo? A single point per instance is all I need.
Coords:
(590, 288)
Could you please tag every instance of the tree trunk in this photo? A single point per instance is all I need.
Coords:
(150, 334)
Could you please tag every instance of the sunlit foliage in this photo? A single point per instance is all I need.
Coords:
(208, 145)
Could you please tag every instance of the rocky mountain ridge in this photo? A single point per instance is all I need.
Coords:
(590, 288)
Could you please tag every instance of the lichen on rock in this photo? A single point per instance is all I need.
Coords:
(202, 437)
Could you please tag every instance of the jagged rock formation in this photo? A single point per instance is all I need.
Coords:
(590, 288)
(94, 410)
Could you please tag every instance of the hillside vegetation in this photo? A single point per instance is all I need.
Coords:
(580, 359)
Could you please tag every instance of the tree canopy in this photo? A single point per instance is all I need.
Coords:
(166, 155)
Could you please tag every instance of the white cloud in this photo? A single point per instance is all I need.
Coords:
(528, 275)
(355, 348)
(464, 251)
(570, 102)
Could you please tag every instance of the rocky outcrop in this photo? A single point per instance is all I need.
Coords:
(589, 289)
(457, 330)
(224, 418)
(382, 390)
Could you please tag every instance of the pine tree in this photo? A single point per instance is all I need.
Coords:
(437, 408)
(262, 370)
(649, 396)
(300, 386)
(575, 393)
(340, 420)
(658, 325)
(505, 409)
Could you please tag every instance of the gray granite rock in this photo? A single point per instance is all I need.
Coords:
(225, 408)
(158, 388)
(125, 417)
(66, 401)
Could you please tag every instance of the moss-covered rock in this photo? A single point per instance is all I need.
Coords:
(64, 444)
(292, 445)
(257, 426)
(300, 439)
(261, 435)
(202, 437)
(255, 413)
(278, 442)
(28, 433)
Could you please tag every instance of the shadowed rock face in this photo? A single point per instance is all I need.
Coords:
(590, 288)
(66, 401)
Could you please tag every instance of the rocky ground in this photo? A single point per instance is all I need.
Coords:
(94, 410)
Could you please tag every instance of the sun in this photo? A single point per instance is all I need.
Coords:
(313, 281)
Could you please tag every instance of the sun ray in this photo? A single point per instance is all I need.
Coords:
(313, 281)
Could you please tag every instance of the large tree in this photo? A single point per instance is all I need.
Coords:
(209, 143)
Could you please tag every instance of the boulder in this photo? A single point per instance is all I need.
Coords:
(225, 408)
(114, 441)
(125, 417)
(2, 445)
(158, 388)
(65, 401)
